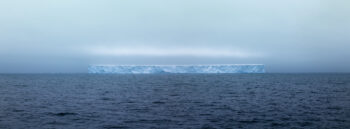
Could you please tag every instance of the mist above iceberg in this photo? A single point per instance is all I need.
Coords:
(150, 69)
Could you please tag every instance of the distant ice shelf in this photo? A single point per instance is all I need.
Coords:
(151, 69)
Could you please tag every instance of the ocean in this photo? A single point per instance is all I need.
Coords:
(166, 101)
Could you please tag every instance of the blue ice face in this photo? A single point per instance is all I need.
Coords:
(149, 69)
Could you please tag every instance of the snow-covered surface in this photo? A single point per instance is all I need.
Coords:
(149, 69)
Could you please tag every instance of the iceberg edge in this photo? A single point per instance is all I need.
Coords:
(154, 69)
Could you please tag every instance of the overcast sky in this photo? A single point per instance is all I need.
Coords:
(69, 35)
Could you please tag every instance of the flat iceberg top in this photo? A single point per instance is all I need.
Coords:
(150, 69)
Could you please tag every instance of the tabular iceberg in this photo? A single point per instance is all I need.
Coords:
(150, 69)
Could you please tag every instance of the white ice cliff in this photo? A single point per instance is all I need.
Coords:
(149, 69)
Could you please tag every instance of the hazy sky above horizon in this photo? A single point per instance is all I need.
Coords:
(68, 35)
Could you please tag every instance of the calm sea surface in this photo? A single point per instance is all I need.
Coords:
(83, 101)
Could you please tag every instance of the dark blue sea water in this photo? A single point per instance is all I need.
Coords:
(83, 101)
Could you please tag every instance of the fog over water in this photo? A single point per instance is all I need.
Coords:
(68, 35)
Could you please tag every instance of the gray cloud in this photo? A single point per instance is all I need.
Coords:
(289, 36)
